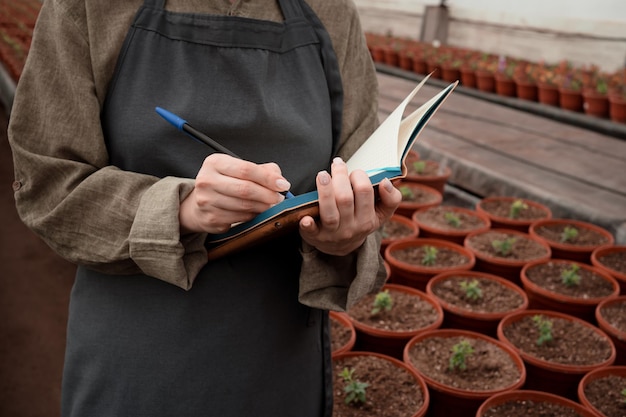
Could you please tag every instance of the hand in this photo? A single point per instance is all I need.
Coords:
(348, 212)
(230, 190)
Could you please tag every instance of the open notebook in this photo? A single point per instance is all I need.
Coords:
(382, 155)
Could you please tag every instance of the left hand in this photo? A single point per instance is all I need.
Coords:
(348, 210)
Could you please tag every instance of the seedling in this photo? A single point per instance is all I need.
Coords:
(503, 247)
(623, 396)
(460, 352)
(569, 234)
(354, 389)
(430, 255)
(382, 301)
(516, 208)
(419, 166)
(452, 218)
(570, 276)
(545, 329)
(472, 289)
(407, 193)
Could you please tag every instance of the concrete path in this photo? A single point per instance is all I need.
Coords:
(494, 149)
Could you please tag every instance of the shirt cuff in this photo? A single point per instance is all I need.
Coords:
(337, 283)
(155, 243)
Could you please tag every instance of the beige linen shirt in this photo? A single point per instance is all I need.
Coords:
(119, 222)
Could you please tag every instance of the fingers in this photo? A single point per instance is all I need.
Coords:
(390, 199)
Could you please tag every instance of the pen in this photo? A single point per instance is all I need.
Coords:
(182, 125)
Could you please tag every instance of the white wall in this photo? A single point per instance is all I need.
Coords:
(582, 31)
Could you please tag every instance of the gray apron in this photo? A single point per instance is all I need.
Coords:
(238, 343)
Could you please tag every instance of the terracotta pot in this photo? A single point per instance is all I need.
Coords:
(595, 104)
(405, 61)
(388, 386)
(543, 375)
(391, 57)
(610, 250)
(468, 78)
(485, 81)
(434, 69)
(503, 222)
(463, 317)
(508, 268)
(571, 100)
(389, 342)
(526, 91)
(432, 198)
(417, 275)
(447, 231)
(436, 181)
(419, 66)
(405, 221)
(617, 109)
(532, 397)
(343, 320)
(584, 308)
(505, 87)
(450, 401)
(450, 74)
(596, 374)
(564, 250)
(547, 94)
(618, 336)
(378, 53)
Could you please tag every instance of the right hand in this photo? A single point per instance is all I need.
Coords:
(230, 190)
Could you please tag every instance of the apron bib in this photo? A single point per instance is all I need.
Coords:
(238, 343)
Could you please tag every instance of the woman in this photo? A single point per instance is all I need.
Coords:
(288, 86)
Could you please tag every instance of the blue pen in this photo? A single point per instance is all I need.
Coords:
(182, 125)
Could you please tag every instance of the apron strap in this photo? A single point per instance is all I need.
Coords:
(155, 4)
(291, 9)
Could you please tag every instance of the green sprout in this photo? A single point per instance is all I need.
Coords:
(406, 192)
(430, 255)
(516, 208)
(419, 166)
(452, 218)
(570, 276)
(383, 301)
(460, 352)
(569, 234)
(623, 396)
(472, 289)
(354, 389)
(503, 247)
(545, 329)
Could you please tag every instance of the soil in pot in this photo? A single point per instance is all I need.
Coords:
(558, 349)
(342, 333)
(416, 196)
(571, 239)
(529, 403)
(450, 223)
(476, 301)
(602, 391)
(513, 213)
(504, 252)
(393, 389)
(397, 228)
(462, 369)
(428, 172)
(612, 259)
(611, 318)
(388, 330)
(567, 286)
(414, 262)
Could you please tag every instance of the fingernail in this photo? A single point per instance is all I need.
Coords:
(283, 184)
(338, 160)
(323, 177)
(388, 185)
